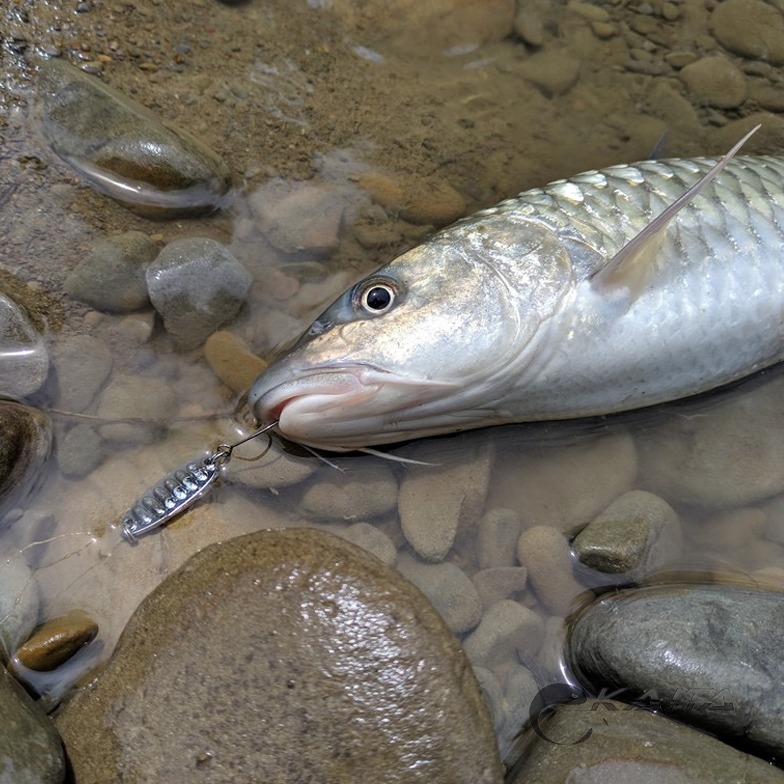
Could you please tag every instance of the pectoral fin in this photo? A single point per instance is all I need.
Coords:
(629, 271)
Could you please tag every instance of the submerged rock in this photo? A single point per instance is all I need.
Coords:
(111, 277)
(82, 364)
(708, 655)
(25, 440)
(30, 750)
(20, 602)
(124, 150)
(197, 286)
(283, 656)
(608, 742)
(56, 641)
(24, 362)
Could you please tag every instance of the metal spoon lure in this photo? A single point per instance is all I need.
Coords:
(179, 489)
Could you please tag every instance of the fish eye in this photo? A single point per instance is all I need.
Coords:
(376, 297)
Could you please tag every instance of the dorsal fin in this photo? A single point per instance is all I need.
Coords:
(630, 269)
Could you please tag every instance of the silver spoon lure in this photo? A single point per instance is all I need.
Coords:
(179, 489)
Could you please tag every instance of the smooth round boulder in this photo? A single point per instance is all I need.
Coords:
(283, 656)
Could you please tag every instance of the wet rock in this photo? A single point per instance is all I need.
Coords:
(750, 28)
(124, 150)
(499, 582)
(545, 553)
(231, 360)
(24, 362)
(496, 544)
(711, 654)
(507, 631)
(79, 451)
(333, 659)
(25, 440)
(520, 689)
(636, 534)
(493, 695)
(111, 277)
(715, 81)
(275, 470)
(370, 539)
(56, 641)
(135, 398)
(356, 494)
(632, 746)
(565, 487)
(82, 364)
(730, 455)
(448, 588)
(30, 749)
(197, 286)
(19, 604)
(308, 219)
(554, 71)
(439, 498)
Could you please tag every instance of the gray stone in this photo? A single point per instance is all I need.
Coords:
(750, 28)
(493, 695)
(606, 742)
(507, 631)
(545, 553)
(499, 582)
(30, 749)
(283, 656)
(520, 689)
(197, 286)
(496, 544)
(355, 494)
(123, 149)
(111, 277)
(82, 364)
(448, 588)
(277, 469)
(25, 441)
(79, 451)
(135, 398)
(637, 534)
(711, 654)
(308, 219)
(370, 539)
(438, 499)
(24, 361)
(19, 604)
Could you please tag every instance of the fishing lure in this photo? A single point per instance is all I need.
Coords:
(178, 490)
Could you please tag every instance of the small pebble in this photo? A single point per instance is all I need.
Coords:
(111, 276)
(370, 539)
(357, 494)
(448, 588)
(716, 81)
(56, 641)
(82, 364)
(544, 551)
(499, 582)
(553, 70)
(197, 286)
(231, 360)
(497, 535)
(507, 631)
(79, 451)
(276, 470)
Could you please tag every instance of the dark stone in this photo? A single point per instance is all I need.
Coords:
(708, 655)
(602, 741)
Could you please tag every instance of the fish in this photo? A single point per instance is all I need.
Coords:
(613, 290)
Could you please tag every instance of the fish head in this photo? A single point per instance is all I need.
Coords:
(422, 346)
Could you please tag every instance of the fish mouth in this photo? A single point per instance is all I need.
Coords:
(339, 407)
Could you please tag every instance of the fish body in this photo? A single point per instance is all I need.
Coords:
(566, 301)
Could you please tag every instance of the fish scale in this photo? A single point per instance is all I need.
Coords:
(569, 300)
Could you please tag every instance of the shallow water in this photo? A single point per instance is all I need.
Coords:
(316, 97)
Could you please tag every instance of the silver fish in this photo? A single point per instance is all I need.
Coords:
(612, 290)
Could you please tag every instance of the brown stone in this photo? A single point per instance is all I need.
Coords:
(56, 641)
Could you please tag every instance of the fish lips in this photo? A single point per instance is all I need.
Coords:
(338, 407)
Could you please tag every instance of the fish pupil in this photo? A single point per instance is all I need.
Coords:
(378, 298)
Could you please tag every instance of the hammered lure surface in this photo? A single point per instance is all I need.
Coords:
(173, 494)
